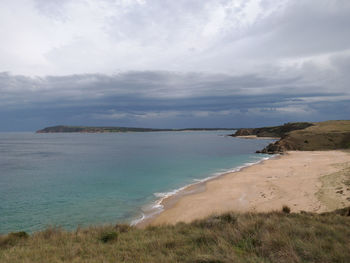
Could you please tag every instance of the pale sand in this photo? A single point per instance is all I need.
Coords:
(296, 179)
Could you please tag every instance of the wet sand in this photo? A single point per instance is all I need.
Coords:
(305, 181)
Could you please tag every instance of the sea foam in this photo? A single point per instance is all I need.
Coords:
(156, 207)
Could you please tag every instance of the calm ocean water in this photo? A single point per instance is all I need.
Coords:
(75, 179)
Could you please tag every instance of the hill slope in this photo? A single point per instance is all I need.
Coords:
(275, 131)
(304, 136)
(328, 135)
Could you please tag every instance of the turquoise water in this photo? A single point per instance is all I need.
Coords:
(75, 179)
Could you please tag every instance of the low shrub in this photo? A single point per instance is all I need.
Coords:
(109, 236)
(286, 209)
(12, 239)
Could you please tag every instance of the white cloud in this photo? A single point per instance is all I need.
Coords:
(237, 36)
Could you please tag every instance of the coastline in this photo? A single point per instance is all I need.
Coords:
(255, 137)
(169, 199)
(292, 179)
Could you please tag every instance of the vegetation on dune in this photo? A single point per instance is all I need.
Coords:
(250, 237)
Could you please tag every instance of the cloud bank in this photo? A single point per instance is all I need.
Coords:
(169, 63)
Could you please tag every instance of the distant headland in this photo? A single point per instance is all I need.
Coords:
(302, 136)
(91, 129)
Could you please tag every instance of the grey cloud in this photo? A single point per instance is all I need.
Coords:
(156, 98)
(21, 91)
(305, 28)
(179, 63)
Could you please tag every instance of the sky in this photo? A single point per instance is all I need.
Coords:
(173, 64)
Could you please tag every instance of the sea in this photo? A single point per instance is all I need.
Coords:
(72, 180)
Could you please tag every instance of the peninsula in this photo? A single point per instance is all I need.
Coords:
(302, 136)
(91, 129)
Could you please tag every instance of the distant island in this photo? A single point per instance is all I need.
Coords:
(90, 129)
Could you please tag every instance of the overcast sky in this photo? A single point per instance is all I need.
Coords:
(173, 64)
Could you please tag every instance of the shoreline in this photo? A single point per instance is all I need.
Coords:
(170, 198)
(255, 137)
(292, 179)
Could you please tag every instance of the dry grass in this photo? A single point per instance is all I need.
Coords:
(328, 135)
(266, 237)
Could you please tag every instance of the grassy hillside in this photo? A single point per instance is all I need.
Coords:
(275, 131)
(264, 237)
(328, 135)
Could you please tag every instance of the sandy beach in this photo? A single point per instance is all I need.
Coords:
(314, 181)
